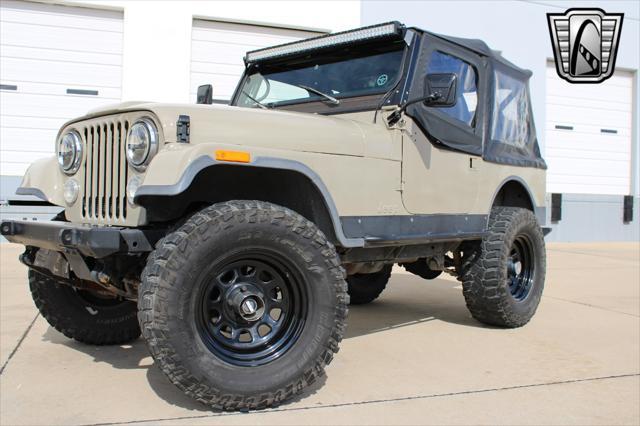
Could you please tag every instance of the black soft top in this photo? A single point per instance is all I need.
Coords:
(509, 136)
(480, 47)
(505, 132)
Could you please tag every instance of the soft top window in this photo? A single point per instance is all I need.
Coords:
(511, 134)
(511, 116)
(467, 96)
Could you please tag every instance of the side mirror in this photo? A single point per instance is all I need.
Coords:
(205, 94)
(441, 89)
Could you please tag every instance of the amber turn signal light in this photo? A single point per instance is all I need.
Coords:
(233, 156)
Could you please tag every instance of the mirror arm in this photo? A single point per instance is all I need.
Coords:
(394, 117)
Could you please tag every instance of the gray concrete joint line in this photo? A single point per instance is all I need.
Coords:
(591, 306)
(24, 335)
(588, 254)
(377, 401)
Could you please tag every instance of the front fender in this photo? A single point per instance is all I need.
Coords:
(174, 169)
(44, 180)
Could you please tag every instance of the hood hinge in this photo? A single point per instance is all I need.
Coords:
(183, 129)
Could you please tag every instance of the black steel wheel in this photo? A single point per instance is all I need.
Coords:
(503, 275)
(252, 308)
(521, 267)
(244, 305)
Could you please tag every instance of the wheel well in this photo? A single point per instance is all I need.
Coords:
(513, 194)
(220, 183)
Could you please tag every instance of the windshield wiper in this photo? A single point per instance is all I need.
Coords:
(330, 98)
(260, 104)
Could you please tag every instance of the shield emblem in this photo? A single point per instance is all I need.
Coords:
(585, 43)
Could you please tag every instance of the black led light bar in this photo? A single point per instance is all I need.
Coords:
(389, 30)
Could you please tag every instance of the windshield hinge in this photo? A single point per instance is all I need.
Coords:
(394, 117)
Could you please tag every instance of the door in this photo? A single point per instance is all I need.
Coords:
(437, 179)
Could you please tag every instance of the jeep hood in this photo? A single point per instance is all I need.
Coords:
(273, 129)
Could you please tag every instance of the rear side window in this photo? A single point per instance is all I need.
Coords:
(467, 97)
(511, 113)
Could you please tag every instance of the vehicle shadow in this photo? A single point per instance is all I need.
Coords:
(408, 301)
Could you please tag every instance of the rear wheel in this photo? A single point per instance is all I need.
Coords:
(365, 288)
(503, 276)
(244, 305)
(82, 315)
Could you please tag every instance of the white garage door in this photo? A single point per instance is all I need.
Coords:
(588, 135)
(56, 62)
(217, 50)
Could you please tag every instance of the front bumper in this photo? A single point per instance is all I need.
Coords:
(96, 242)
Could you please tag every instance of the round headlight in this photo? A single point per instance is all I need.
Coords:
(142, 143)
(71, 190)
(70, 152)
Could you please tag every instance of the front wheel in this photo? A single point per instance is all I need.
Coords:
(244, 305)
(503, 275)
(82, 315)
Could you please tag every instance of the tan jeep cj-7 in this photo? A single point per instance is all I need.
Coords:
(233, 237)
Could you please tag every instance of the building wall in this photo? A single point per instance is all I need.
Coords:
(157, 35)
(519, 30)
(595, 217)
(157, 39)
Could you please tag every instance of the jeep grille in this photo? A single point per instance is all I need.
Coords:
(105, 171)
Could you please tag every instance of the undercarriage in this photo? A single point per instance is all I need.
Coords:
(109, 260)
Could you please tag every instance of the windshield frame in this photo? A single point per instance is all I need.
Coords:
(316, 103)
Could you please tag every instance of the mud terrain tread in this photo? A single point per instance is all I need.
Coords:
(170, 251)
(483, 281)
(71, 326)
(365, 288)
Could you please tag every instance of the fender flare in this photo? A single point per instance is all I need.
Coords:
(539, 211)
(204, 162)
(31, 191)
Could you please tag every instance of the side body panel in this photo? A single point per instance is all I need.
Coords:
(357, 185)
(441, 181)
(383, 184)
(437, 180)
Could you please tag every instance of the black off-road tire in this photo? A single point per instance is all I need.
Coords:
(421, 269)
(486, 269)
(177, 271)
(365, 288)
(81, 316)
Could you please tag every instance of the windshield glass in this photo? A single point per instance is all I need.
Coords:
(342, 74)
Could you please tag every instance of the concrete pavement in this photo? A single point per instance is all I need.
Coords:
(415, 356)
